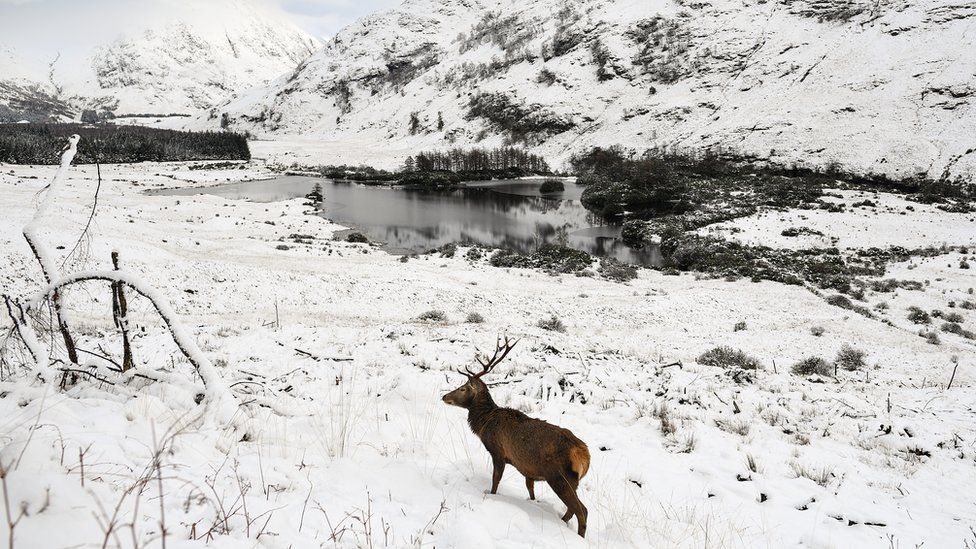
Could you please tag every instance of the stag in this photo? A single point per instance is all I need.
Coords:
(538, 450)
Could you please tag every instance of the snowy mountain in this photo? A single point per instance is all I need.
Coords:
(884, 86)
(176, 56)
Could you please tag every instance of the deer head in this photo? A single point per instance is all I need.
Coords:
(475, 392)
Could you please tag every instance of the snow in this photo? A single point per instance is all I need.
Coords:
(880, 225)
(368, 454)
(888, 91)
(157, 57)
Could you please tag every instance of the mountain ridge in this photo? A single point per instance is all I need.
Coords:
(881, 87)
(182, 56)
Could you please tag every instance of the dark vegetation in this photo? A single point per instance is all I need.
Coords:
(559, 259)
(550, 186)
(43, 143)
(520, 122)
(549, 257)
(668, 195)
(444, 169)
(850, 358)
(664, 49)
(552, 324)
(728, 358)
(813, 366)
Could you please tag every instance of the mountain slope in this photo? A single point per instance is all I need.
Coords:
(878, 86)
(179, 56)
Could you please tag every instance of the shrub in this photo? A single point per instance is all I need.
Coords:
(841, 301)
(850, 358)
(953, 317)
(931, 337)
(357, 238)
(549, 257)
(918, 316)
(546, 77)
(612, 269)
(728, 358)
(813, 365)
(817, 331)
(474, 318)
(448, 250)
(433, 316)
(739, 326)
(550, 186)
(952, 328)
(552, 324)
(474, 253)
(520, 121)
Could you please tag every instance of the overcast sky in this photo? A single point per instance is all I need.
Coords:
(322, 18)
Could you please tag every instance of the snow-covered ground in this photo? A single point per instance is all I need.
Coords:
(877, 87)
(870, 219)
(322, 152)
(368, 455)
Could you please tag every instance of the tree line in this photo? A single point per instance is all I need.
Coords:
(42, 144)
(502, 159)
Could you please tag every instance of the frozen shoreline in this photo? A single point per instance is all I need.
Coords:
(375, 425)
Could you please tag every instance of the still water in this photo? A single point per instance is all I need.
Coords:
(503, 214)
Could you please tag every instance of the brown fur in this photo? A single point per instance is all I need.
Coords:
(538, 450)
(579, 458)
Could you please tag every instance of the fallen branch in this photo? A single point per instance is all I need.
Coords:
(316, 357)
(48, 268)
(216, 391)
(23, 329)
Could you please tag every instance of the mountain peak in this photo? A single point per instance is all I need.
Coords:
(174, 56)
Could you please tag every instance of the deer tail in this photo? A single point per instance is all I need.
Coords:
(579, 460)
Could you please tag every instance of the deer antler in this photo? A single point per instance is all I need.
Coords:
(501, 351)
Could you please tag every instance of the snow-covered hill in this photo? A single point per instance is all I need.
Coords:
(883, 86)
(176, 56)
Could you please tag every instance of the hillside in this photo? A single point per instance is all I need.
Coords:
(172, 56)
(878, 86)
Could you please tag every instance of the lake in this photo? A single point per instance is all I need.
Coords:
(503, 214)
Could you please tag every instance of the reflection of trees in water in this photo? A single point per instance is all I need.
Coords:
(421, 220)
(517, 222)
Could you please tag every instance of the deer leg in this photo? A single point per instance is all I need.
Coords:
(496, 474)
(530, 484)
(564, 489)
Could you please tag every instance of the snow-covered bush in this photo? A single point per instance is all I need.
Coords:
(612, 269)
(813, 366)
(918, 316)
(519, 121)
(433, 316)
(728, 358)
(850, 358)
(552, 324)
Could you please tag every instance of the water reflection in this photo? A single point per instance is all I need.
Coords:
(504, 214)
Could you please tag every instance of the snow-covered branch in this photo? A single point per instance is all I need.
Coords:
(217, 392)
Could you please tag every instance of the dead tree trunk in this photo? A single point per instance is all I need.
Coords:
(119, 314)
